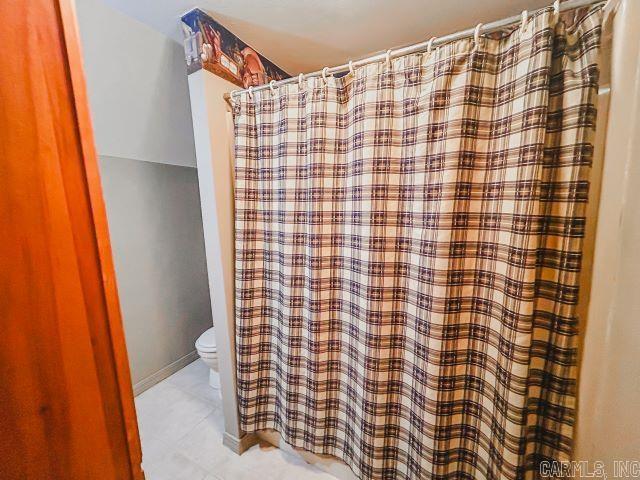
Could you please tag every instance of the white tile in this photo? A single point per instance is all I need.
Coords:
(167, 413)
(257, 457)
(153, 448)
(194, 373)
(307, 473)
(194, 379)
(174, 467)
(181, 431)
(282, 465)
(235, 471)
(203, 444)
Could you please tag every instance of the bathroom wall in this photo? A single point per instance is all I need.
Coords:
(137, 85)
(156, 236)
(142, 122)
(211, 124)
(139, 101)
(609, 395)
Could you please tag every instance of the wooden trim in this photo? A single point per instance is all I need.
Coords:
(87, 143)
(66, 402)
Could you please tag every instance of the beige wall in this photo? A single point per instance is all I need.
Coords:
(215, 177)
(158, 251)
(608, 425)
(138, 95)
(136, 78)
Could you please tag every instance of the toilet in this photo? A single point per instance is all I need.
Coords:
(208, 351)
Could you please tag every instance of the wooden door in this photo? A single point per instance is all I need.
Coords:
(66, 403)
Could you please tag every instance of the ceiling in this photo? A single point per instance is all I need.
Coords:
(306, 35)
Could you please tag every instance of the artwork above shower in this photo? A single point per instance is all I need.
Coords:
(208, 44)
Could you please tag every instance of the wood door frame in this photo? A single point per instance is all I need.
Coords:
(78, 86)
(66, 399)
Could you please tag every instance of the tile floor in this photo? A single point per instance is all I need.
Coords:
(181, 427)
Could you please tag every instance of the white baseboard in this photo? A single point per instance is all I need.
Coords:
(163, 373)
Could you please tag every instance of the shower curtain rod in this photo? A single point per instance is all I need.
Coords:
(418, 47)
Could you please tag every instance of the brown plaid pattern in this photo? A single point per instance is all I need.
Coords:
(408, 246)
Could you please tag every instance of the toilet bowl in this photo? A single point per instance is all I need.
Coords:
(208, 351)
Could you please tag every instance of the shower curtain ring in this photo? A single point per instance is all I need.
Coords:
(430, 45)
(300, 79)
(525, 17)
(388, 59)
(251, 92)
(324, 74)
(476, 36)
(272, 86)
(351, 71)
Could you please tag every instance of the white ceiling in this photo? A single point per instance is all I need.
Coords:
(305, 35)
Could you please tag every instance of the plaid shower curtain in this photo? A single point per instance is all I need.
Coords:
(408, 245)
